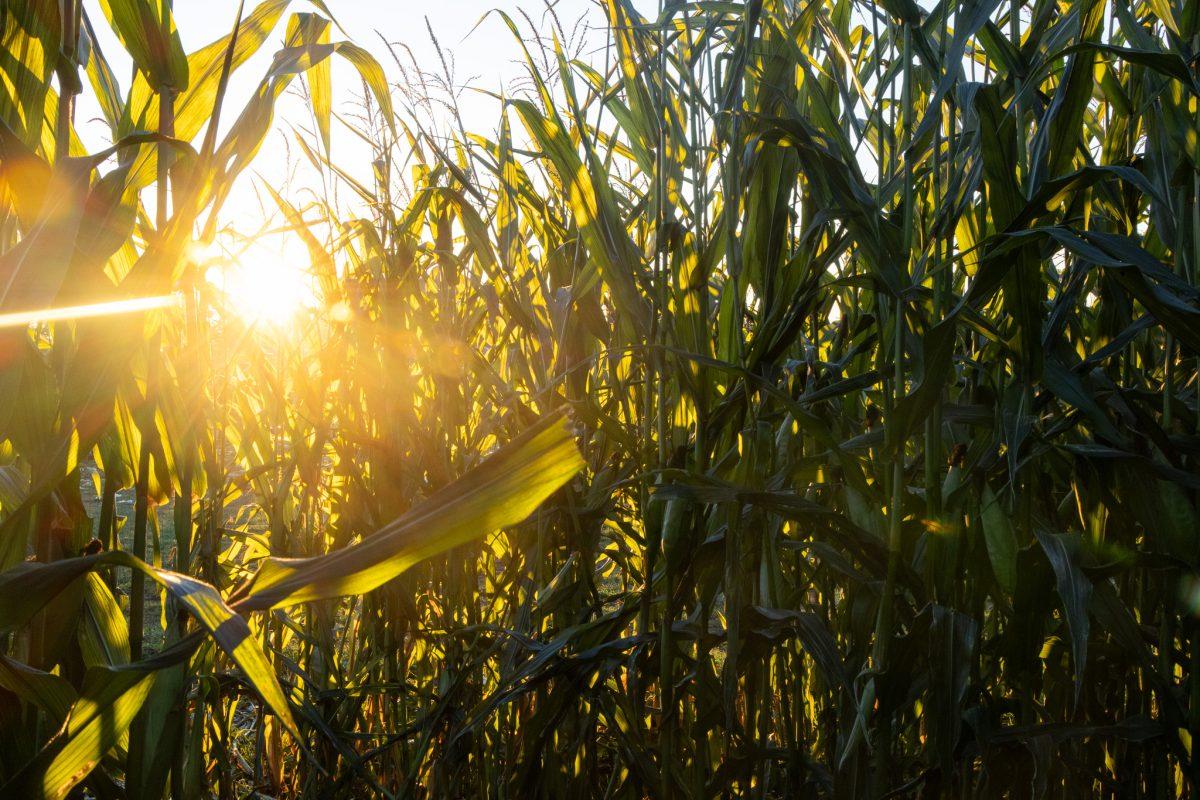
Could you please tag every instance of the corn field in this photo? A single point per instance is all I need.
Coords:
(790, 398)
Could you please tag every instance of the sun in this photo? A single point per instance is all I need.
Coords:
(264, 282)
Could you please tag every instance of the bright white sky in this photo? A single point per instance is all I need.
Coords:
(483, 52)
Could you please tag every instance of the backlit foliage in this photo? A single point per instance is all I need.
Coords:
(876, 327)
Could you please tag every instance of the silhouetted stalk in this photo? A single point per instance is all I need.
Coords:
(885, 625)
(137, 585)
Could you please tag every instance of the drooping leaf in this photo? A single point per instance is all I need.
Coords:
(1075, 590)
(501, 491)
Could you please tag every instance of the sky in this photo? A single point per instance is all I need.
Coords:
(482, 52)
(481, 47)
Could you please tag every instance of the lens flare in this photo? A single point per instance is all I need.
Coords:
(20, 319)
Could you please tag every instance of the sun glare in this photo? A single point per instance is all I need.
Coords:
(264, 284)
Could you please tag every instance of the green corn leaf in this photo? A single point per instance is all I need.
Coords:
(1075, 590)
(99, 720)
(147, 29)
(103, 631)
(102, 715)
(102, 79)
(49, 692)
(29, 586)
(195, 106)
(23, 174)
(594, 209)
(1000, 539)
(319, 76)
(1059, 133)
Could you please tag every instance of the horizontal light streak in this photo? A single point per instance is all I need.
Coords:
(16, 319)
